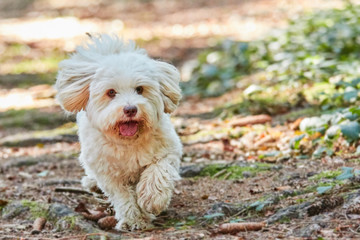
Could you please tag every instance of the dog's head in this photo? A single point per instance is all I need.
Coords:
(122, 90)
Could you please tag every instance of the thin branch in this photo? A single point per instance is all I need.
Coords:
(72, 190)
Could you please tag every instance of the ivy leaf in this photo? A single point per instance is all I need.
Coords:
(351, 116)
(346, 174)
(295, 142)
(255, 204)
(253, 89)
(321, 150)
(324, 189)
(350, 96)
(260, 207)
(355, 82)
(355, 110)
(214, 215)
(237, 220)
(351, 130)
(209, 70)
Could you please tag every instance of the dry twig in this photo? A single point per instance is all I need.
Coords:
(72, 190)
(219, 173)
(240, 227)
(251, 120)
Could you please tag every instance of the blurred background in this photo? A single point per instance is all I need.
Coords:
(36, 34)
(291, 65)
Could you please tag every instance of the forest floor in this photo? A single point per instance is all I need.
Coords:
(239, 169)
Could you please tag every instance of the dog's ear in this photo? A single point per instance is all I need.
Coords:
(73, 82)
(169, 78)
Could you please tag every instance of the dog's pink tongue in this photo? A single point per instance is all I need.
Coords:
(128, 129)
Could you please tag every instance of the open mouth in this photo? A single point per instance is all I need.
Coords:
(128, 129)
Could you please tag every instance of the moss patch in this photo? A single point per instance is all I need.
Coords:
(70, 221)
(31, 119)
(233, 171)
(181, 223)
(326, 174)
(23, 58)
(41, 65)
(33, 138)
(36, 209)
(26, 80)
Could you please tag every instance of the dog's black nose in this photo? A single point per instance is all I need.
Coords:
(130, 110)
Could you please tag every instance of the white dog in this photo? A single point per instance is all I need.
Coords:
(129, 147)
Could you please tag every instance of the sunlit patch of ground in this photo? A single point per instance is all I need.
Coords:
(243, 20)
(35, 97)
(37, 150)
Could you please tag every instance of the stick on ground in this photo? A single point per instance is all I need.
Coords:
(72, 190)
(240, 227)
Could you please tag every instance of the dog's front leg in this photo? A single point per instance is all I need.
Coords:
(127, 212)
(156, 185)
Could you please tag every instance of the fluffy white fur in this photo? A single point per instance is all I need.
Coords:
(136, 172)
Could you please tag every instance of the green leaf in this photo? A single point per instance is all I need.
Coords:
(43, 173)
(236, 220)
(355, 82)
(255, 204)
(355, 110)
(272, 154)
(253, 89)
(351, 130)
(214, 215)
(324, 189)
(179, 224)
(295, 142)
(260, 207)
(346, 174)
(351, 116)
(322, 150)
(350, 96)
(209, 70)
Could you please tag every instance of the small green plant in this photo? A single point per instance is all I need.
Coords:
(326, 174)
(222, 171)
(319, 47)
(37, 209)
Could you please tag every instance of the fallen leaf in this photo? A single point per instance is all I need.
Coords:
(3, 202)
(94, 215)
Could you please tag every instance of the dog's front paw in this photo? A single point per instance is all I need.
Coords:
(154, 196)
(131, 224)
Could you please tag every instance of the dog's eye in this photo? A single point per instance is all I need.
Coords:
(111, 93)
(139, 90)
